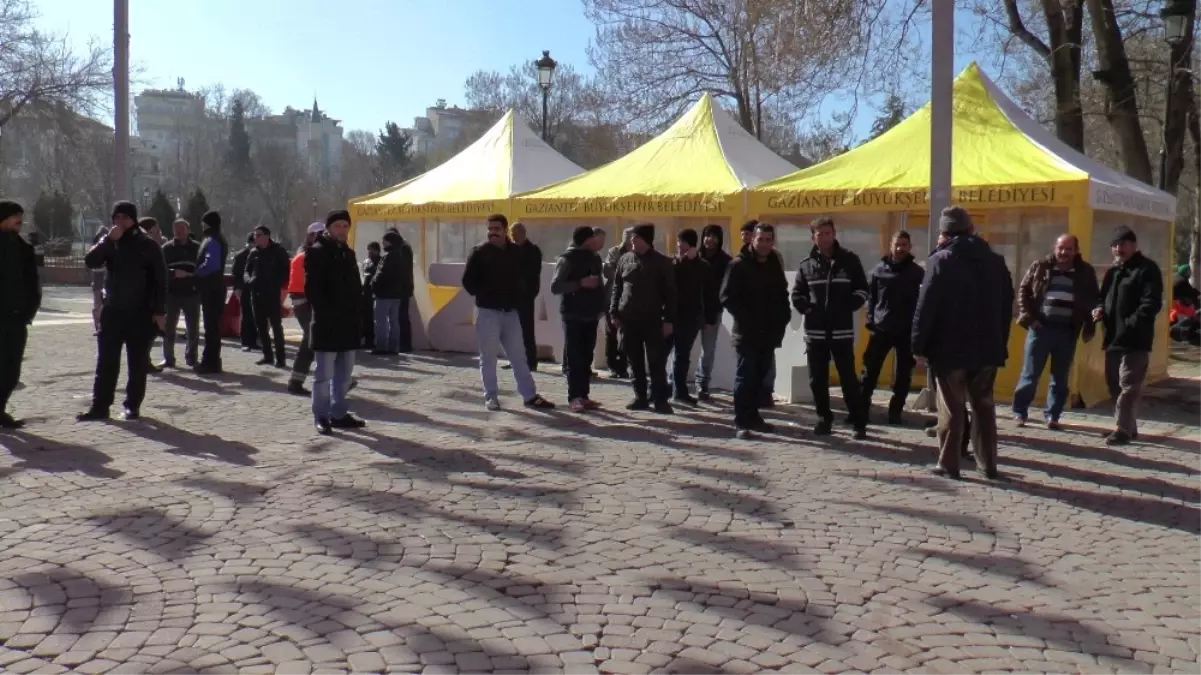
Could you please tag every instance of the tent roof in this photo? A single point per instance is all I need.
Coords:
(507, 159)
(699, 166)
(1002, 158)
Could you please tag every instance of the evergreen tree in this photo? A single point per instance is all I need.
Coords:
(197, 206)
(394, 156)
(61, 213)
(162, 211)
(237, 155)
(893, 114)
(43, 213)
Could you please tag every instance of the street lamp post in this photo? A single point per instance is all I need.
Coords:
(546, 71)
(314, 208)
(1175, 15)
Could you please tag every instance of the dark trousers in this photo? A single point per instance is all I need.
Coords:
(878, 346)
(248, 329)
(303, 312)
(614, 357)
(406, 327)
(750, 370)
(579, 343)
(133, 330)
(683, 337)
(367, 311)
(646, 351)
(525, 312)
(212, 305)
(268, 313)
(13, 336)
(189, 306)
(820, 353)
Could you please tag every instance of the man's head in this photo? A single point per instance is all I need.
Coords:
(711, 237)
(373, 250)
(262, 236)
(498, 227)
(149, 226)
(391, 240)
(823, 233)
(901, 245)
(686, 242)
(517, 233)
(1123, 244)
(250, 238)
(180, 229)
(211, 222)
(955, 222)
(1066, 248)
(125, 215)
(763, 240)
(11, 215)
(644, 238)
(748, 231)
(337, 223)
(581, 237)
(598, 239)
(314, 230)
(627, 237)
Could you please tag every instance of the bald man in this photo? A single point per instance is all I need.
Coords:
(1054, 304)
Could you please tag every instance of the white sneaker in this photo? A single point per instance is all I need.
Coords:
(492, 404)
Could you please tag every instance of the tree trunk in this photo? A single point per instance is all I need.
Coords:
(1194, 132)
(1121, 96)
(1065, 21)
(1180, 109)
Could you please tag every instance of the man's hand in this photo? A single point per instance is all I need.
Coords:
(921, 362)
(667, 330)
(115, 232)
(590, 281)
(160, 321)
(1098, 314)
(180, 274)
(237, 294)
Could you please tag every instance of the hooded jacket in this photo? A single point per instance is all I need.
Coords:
(20, 287)
(644, 288)
(1033, 291)
(965, 308)
(1131, 297)
(332, 286)
(267, 270)
(577, 303)
(393, 278)
(892, 297)
(828, 292)
(135, 276)
(756, 294)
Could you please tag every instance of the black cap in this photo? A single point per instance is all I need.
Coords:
(126, 209)
(688, 236)
(1121, 234)
(645, 232)
(211, 219)
(336, 215)
(9, 208)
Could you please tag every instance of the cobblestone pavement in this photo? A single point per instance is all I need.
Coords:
(219, 534)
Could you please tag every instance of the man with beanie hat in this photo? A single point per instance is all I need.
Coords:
(579, 283)
(210, 280)
(20, 298)
(961, 336)
(248, 328)
(1131, 297)
(713, 252)
(303, 312)
(332, 286)
(615, 360)
(135, 296)
(696, 295)
(643, 308)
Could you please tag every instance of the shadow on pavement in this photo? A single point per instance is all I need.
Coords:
(42, 454)
(153, 530)
(53, 589)
(189, 444)
(1127, 457)
(774, 553)
(1186, 518)
(203, 386)
(743, 503)
(1057, 630)
(1156, 487)
(1008, 567)
(242, 493)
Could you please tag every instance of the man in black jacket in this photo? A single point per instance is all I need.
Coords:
(135, 293)
(370, 266)
(756, 294)
(531, 271)
(210, 279)
(332, 285)
(643, 308)
(20, 298)
(696, 293)
(891, 300)
(614, 358)
(961, 329)
(393, 285)
(1131, 298)
(579, 281)
(712, 251)
(830, 287)
(266, 278)
(494, 277)
(248, 330)
(180, 255)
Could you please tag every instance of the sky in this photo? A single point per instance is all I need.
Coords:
(366, 61)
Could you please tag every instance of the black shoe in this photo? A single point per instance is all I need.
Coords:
(323, 427)
(297, 389)
(206, 369)
(539, 403)
(163, 365)
(264, 362)
(703, 395)
(638, 404)
(1118, 438)
(281, 364)
(9, 422)
(685, 399)
(763, 427)
(664, 408)
(189, 362)
(990, 474)
(823, 428)
(248, 348)
(380, 352)
(347, 421)
(860, 433)
(130, 415)
(744, 435)
(896, 420)
(937, 470)
(353, 383)
(507, 366)
(619, 374)
(93, 415)
(767, 402)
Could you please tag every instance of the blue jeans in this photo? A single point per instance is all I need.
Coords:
(1059, 344)
(749, 374)
(387, 324)
(704, 367)
(331, 381)
(683, 336)
(501, 329)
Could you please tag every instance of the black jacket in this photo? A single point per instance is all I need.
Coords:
(695, 291)
(20, 287)
(135, 277)
(239, 268)
(332, 287)
(892, 297)
(267, 270)
(828, 292)
(531, 268)
(719, 262)
(1131, 297)
(755, 293)
(965, 308)
(394, 276)
(181, 257)
(493, 275)
(644, 288)
(577, 303)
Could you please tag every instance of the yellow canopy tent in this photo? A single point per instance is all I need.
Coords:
(1023, 186)
(697, 170)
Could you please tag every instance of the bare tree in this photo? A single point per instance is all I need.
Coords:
(282, 183)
